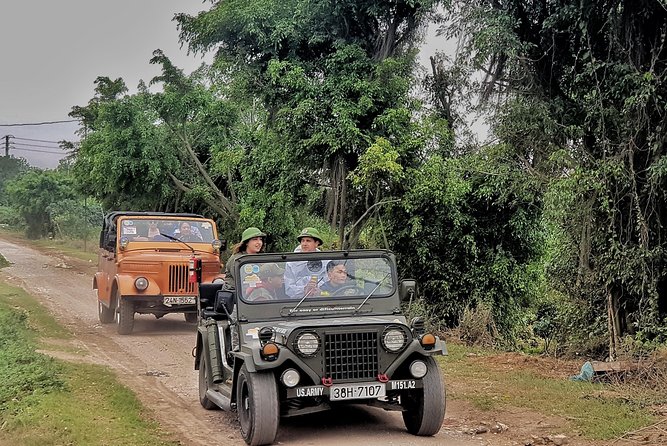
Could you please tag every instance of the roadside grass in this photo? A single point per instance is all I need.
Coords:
(48, 401)
(83, 249)
(597, 411)
(40, 324)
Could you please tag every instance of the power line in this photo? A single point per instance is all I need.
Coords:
(35, 145)
(37, 140)
(38, 123)
(62, 152)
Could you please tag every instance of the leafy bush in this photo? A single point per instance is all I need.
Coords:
(11, 218)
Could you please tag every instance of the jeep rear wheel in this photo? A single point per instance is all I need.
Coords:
(203, 384)
(104, 313)
(424, 409)
(257, 406)
(124, 315)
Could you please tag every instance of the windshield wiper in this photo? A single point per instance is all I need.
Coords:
(180, 241)
(305, 295)
(356, 310)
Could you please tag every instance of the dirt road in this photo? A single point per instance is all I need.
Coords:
(156, 362)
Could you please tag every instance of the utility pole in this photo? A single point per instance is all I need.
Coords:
(7, 145)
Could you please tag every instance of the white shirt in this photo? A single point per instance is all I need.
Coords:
(298, 274)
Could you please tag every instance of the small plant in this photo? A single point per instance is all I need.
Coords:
(477, 326)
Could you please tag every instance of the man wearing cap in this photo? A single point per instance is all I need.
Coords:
(304, 278)
(271, 286)
(252, 242)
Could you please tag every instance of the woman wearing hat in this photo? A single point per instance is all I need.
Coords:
(304, 278)
(252, 242)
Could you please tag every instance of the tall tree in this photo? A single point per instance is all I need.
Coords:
(583, 85)
(331, 76)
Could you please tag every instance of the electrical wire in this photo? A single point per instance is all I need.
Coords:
(21, 124)
(63, 152)
(37, 140)
(36, 145)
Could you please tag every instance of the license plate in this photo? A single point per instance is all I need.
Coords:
(339, 392)
(180, 300)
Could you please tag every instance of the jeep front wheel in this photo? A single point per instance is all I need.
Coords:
(124, 315)
(104, 313)
(257, 406)
(424, 409)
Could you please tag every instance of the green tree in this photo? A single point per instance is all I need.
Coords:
(10, 167)
(583, 87)
(33, 192)
(331, 76)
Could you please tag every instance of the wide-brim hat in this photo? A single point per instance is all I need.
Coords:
(270, 270)
(251, 233)
(310, 232)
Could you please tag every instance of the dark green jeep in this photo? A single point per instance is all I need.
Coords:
(303, 332)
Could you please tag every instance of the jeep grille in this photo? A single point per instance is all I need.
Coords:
(350, 356)
(178, 280)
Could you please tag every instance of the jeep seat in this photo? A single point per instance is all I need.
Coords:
(207, 292)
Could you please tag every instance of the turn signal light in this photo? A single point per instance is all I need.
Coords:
(270, 351)
(427, 341)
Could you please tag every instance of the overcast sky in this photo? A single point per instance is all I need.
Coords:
(52, 51)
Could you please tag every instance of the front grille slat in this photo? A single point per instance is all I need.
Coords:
(351, 356)
(178, 280)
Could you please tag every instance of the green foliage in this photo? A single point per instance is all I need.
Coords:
(27, 375)
(463, 230)
(583, 87)
(76, 218)
(33, 192)
(43, 401)
(10, 167)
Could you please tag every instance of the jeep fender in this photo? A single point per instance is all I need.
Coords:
(415, 348)
(125, 283)
(199, 346)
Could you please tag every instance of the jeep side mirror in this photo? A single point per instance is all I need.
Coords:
(407, 289)
(224, 302)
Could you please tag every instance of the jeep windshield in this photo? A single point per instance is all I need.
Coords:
(168, 230)
(300, 278)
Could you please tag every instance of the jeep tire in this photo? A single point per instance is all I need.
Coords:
(124, 315)
(257, 406)
(203, 384)
(424, 409)
(104, 313)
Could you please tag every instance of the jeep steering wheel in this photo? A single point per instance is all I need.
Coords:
(340, 291)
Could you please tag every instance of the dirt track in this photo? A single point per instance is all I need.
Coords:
(156, 362)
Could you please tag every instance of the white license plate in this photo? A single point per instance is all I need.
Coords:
(180, 300)
(339, 392)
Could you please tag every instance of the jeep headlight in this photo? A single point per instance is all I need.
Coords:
(307, 344)
(393, 339)
(141, 283)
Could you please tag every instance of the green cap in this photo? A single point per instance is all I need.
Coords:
(251, 233)
(312, 233)
(270, 270)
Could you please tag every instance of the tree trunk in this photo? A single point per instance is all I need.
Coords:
(343, 203)
(613, 324)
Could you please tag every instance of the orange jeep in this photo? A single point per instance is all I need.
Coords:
(151, 263)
